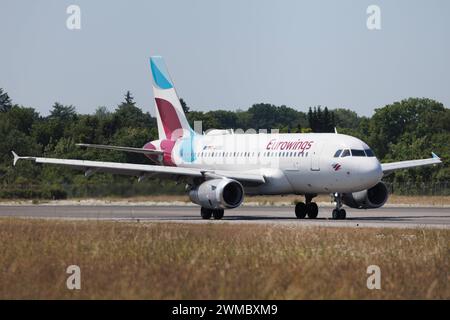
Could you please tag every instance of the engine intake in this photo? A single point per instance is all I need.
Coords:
(218, 194)
(372, 198)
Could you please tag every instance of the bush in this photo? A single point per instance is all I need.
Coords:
(53, 192)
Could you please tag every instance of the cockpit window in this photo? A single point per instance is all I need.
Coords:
(358, 153)
(369, 153)
(345, 153)
(338, 153)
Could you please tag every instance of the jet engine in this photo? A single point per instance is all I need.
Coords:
(372, 198)
(218, 194)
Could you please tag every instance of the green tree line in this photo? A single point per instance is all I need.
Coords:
(408, 129)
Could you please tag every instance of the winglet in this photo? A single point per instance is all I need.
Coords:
(335, 130)
(16, 158)
(435, 156)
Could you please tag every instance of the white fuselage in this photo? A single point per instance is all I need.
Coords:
(291, 163)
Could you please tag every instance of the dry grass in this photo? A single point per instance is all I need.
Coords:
(263, 200)
(218, 261)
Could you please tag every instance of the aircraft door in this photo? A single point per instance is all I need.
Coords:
(315, 157)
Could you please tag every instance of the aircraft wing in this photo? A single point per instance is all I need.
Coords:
(116, 148)
(389, 167)
(143, 170)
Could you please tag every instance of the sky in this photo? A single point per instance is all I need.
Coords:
(226, 54)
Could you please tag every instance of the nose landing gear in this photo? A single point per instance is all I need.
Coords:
(309, 208)
(338, 213)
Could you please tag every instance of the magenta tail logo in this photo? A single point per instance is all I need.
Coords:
(336, 166)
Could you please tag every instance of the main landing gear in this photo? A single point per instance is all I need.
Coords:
(309, 208)
(338, 212)
(206, 213)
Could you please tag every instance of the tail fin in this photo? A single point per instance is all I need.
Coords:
(172, 122)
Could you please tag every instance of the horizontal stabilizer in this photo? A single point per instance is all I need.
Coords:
(124, 149)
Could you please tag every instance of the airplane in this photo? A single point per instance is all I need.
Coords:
(220, 167)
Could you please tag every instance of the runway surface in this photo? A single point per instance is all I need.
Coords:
(400, 217)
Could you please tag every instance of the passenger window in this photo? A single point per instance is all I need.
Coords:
(358, 153)
(346, 153)
(369, 153)
(338, 153)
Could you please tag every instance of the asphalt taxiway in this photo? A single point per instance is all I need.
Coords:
(400, 217)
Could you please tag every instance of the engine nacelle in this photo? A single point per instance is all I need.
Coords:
(372, 198)
(218, 194)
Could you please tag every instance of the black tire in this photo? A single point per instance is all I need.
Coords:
(342, 214)
(312, 209)
(300, 210)
(335, 214)
(206, 213)
(217, 214)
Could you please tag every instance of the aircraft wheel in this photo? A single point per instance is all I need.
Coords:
(312, 209)
(339, 214)
(342, 214)
(300, 210)
(217, 214)
(206, 213)
(335, 214)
